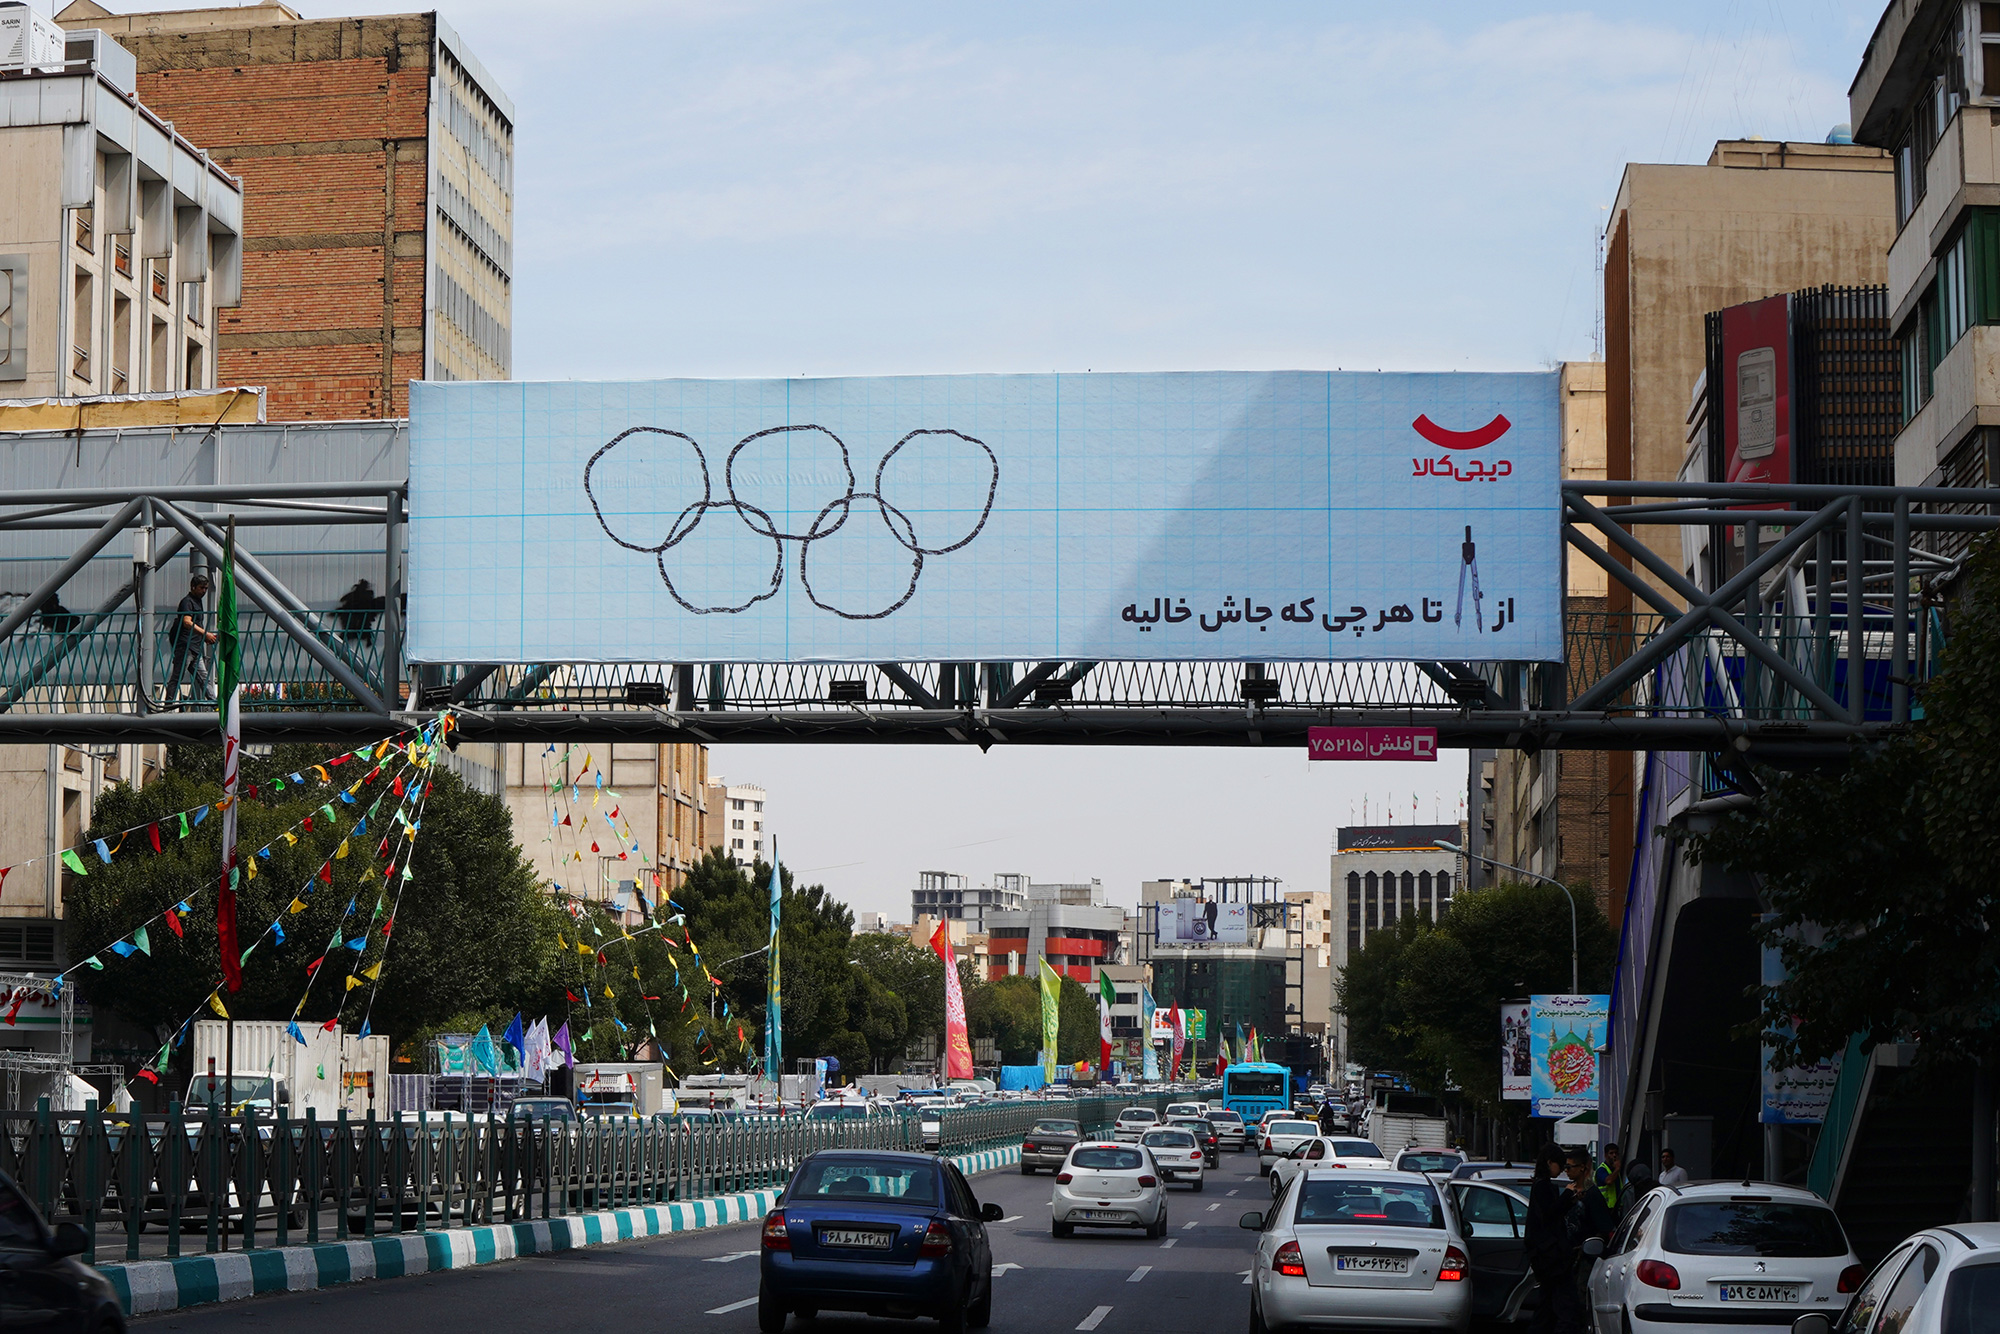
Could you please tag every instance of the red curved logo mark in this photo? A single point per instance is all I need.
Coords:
(1443, 439)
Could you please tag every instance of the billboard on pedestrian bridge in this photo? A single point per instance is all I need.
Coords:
(1235, 516)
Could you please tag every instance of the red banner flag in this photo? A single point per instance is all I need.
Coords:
(225, 899)
(957, 1044)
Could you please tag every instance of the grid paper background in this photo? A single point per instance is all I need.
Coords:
(767, 527)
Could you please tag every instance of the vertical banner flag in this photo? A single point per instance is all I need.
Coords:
(957, 1045)
(1105, 999)
(1051, 1001)
(774, 1027)
(1565, 1034)
(1516, 1064)
(229, 674)
(1180, 1038)
(1149, 1065)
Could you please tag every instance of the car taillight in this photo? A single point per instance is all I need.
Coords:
(1267, 1144)
(1850, 1277)
(1659, 1274)
(1290, 1260)
(1029, 1147)
(937, 1240)
(777, 1234)
(1452, 1268)
(1149, 1181)
(1064, 1178)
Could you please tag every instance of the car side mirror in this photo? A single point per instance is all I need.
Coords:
(990, 1213)
(1813, 1322)
(1593, 1247)
(69, 1240)
(1251, 1222)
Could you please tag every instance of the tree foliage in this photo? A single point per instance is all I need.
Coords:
(1879, 875)
(1424, 998)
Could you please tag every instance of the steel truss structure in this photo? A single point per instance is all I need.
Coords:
(1816, 640)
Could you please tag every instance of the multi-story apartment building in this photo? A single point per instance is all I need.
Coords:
(736, 814)
(1070, 925)
(946, 894)
(120, 240)
(377, 160)
(661, 794)
(1381, 873)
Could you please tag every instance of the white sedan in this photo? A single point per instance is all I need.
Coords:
(1179, 1156)
(1341, 1151)
(1946, 1279)
(1277, 1137)
(1107, 1184)
(1362, 1248)
(1712, 1257)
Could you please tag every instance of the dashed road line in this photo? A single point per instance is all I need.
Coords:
(1213, 1207)
(1232, 1192)
(1246, 1276)
(733, 1255)
(1169, 1243)
(1185, 1226)
(1140, 1273)
(733, 1306)
(1090, 1321)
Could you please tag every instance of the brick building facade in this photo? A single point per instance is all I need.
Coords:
(377, 165)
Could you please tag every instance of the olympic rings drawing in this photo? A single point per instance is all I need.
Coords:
(711, 567)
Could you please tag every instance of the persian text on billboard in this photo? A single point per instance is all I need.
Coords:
(1279, 516)
(1564, 1034)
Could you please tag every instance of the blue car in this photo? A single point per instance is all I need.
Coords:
(891, 1234)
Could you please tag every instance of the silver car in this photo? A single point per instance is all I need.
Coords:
(1134, 1122)
(1344, 1247)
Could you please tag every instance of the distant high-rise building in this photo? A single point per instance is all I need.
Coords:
(736, 815)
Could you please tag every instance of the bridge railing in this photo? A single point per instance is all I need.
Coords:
(152, 1185)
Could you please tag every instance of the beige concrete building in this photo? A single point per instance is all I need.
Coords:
(1928, 91)
(737, 810)
(1312, 913)
(659, 791)
(119, 239)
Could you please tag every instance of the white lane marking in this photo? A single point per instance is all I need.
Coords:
(1232, 1192)
(1185, 1226)
(1090, 1321)
(1213, 1207)
(733, 1306)
(733, 1255)
(1012, 1218)
(1246, 1276)
(1140, 1273)
(998, 1270)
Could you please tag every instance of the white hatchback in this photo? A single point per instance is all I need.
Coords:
(1941, 1281)
(1277, 1137)
(1341, 1151)
(1134, 1122)
(1107, 1184)
(1179, 1156)
(1711, 1258)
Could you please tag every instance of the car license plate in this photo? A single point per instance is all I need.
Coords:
(1371, 1264)
(856, 1239)
(1786, 1293)
(1102, 1213)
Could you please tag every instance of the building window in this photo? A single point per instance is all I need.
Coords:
(735, 824)
(738, 843)
(82, 324)
(121, 344)
(735, 805)
(757, 806)
(86, 230)
(193, 366)
(1371, 903)
(159, 363)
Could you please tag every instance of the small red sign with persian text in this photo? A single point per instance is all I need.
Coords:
(1371, 743)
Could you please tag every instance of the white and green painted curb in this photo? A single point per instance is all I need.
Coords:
(146, 1286)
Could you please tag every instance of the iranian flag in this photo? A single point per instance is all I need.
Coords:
(1105, 997)
(229, 676)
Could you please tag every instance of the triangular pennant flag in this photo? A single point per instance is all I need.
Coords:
(293, 1029)
(174, 923)
(373, 972)
(250, 868)
(200, 814)
(215, 1004)
(140, 939)
(94, 962)
(184, 824)
(328, 1027)
(122, 949)
(153, 834)
(103, 853)
(340, 852)
(353, 982)
(298, 906)
(73, 862)
(278, 930)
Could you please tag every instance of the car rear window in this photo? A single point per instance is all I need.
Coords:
(1752, 1227)
(1427, 1162)
(1291, 1128)
(1368, 1203)
(1107, 1160)
(886, 1180)
(1357, 1148)
(1168, 1139)
(1054, 1128)
(1972, 1301)
(1225, 1116)
(1138, 1114)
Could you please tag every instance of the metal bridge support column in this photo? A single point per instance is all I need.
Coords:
(1899, 666)
(1857, 656)
(1753, 616)
(1823, 609)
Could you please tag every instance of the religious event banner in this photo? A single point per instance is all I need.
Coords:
(1565, 1034)
(1267, 516)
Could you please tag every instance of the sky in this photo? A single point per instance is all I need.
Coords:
(765, 189)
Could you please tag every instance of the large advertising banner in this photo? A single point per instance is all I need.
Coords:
(1516, 1060)
(1795, 1095)
(957, 1045)
(1207, 922)
(1565, 1033)
(1268, 516)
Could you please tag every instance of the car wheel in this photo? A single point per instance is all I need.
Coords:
(1257, 1325)
(981, 1313)
(1062, 1229)
(770, 1314)
(1197, 1183)
(951, 1320)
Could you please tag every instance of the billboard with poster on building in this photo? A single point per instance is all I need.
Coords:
(1206, 922)
(1565, 1035)
(1516, 1059)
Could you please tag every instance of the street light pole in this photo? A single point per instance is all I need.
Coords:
(1533, 875)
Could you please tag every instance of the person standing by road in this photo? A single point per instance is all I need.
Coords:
(1671, 1173)
(1590, 1216)
(190, 640)
(1610, 1179)
(1551, 1251)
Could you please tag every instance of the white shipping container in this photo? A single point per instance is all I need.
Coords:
(327, 1072)
(29, 40)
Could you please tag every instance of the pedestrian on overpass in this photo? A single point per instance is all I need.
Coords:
(1551, 1251)
(190, 640)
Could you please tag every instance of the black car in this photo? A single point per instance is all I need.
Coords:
(1204, 1135)
(1047, 1144)
(43, 1285)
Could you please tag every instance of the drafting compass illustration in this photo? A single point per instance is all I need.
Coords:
(1468, 563)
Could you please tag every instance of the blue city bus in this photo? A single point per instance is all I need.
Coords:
(1252, 1088)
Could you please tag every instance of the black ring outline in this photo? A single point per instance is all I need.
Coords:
(729, 480)
(700, 509)
(707, 491)
(847, 502)
(992, 488)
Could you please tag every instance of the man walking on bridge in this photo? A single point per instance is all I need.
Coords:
(190, 643)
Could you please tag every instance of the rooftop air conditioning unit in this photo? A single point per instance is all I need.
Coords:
(29, 41)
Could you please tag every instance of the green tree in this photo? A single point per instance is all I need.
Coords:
(1076, 1024)
(1878, 875)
